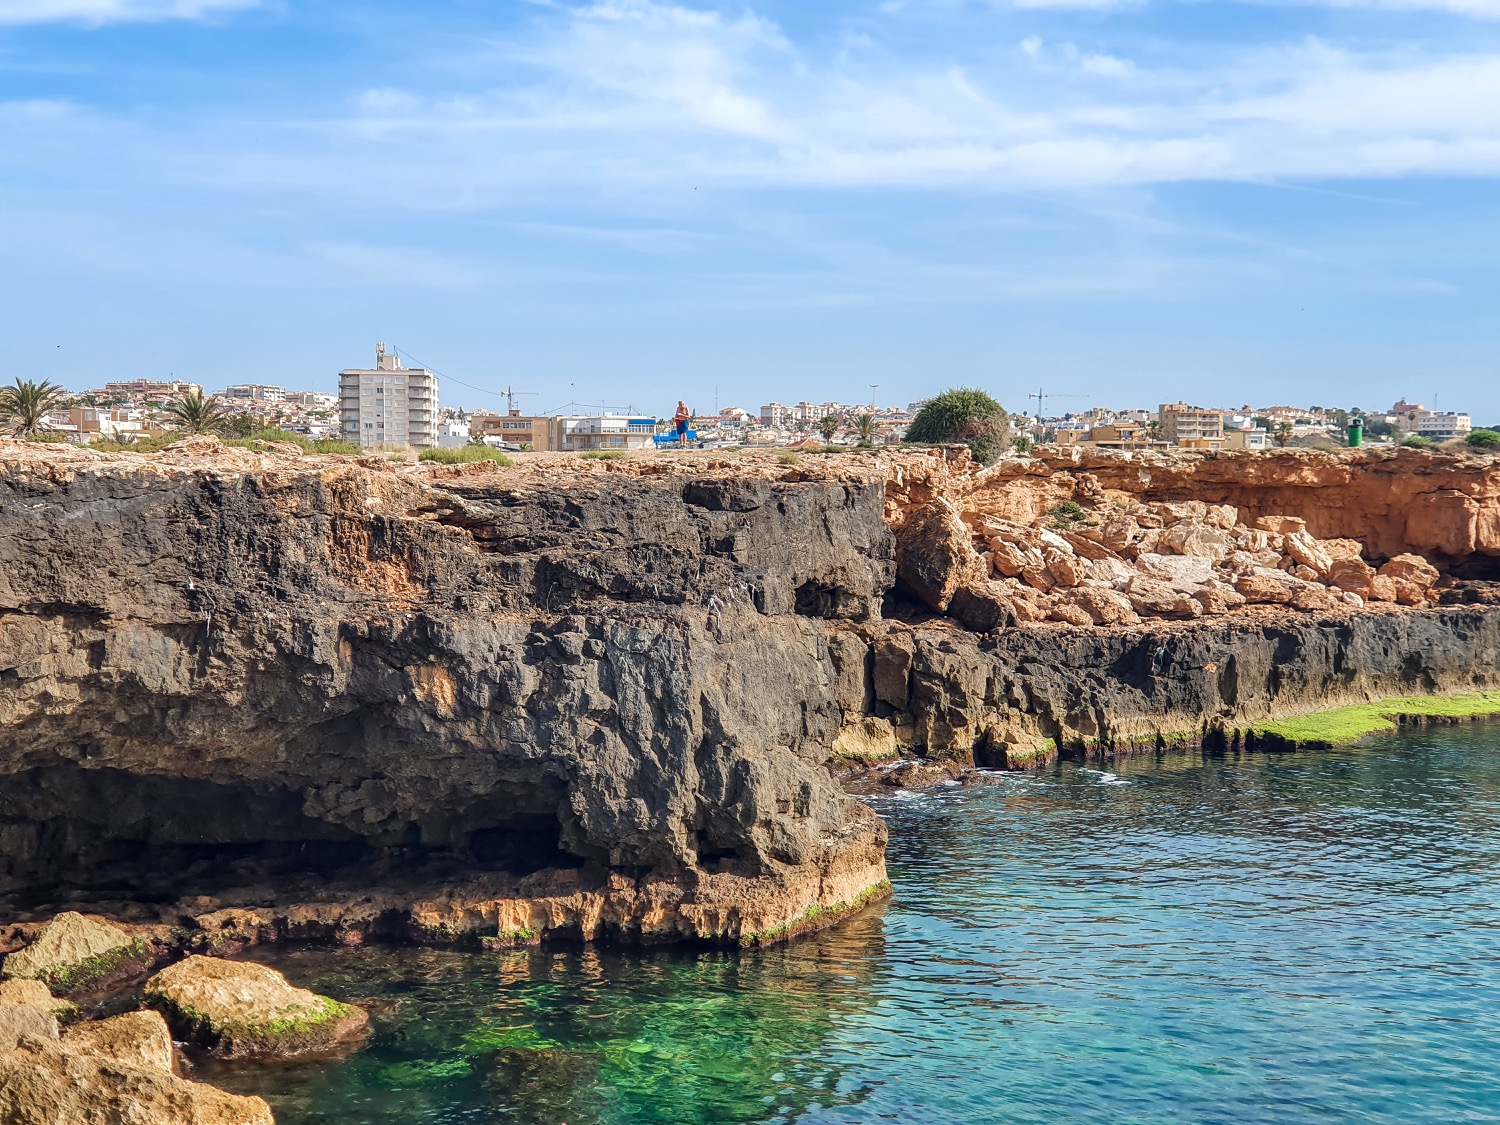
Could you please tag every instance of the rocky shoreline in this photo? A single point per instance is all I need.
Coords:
(351, 699)
(256, 697)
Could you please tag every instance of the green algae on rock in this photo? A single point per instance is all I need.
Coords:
(74, 952)
(1324, 729)
(238, 1009)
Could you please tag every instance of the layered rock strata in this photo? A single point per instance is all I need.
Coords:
(589, 703)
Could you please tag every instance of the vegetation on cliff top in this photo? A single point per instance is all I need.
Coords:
(464, 455)
(1345, 724)
(964, 415)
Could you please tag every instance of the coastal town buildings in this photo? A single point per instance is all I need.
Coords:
(564, 433)
(1435, 425)
(147, 390)
(1191, 427)
(388, 404)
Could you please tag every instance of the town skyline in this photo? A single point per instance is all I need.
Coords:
(673, 196)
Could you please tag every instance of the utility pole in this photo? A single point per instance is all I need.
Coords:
(873, 388)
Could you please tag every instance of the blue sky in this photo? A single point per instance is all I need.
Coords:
(627, 202)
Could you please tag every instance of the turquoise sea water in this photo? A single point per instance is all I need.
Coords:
(1209, 939)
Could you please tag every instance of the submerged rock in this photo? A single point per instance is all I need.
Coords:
(239, 1009)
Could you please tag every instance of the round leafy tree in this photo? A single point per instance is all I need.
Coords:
(1484, 439)
(963, 415)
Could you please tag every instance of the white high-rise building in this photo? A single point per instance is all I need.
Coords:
(389, 404)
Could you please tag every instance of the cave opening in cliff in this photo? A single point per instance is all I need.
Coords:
(69, 833)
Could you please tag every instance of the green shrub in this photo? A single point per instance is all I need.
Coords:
(787, 457)
(1484, 439)
(601, 454)
(963, 415)
(463, 455)
(47, 437)
(1417, 442)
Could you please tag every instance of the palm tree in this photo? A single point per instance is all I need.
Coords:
(24, 407)
(828, 425)
(1282, 435)
(866, 426)
(194, 414)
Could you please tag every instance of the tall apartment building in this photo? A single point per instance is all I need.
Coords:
(388, 404)
(1191, 427)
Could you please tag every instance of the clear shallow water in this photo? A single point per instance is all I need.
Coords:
(1241, 938)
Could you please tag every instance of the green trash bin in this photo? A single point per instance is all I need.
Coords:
(1356, 433)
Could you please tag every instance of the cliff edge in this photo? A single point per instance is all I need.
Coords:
(345, 697)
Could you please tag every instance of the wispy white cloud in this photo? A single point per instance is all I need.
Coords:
(94, 12)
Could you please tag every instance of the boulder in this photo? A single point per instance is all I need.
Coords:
(935, 554)
(1313, 598)
(1104, 606)
(1411, 568)
(1281, 525)
(1184, 573)
(983, 609)
(1302, 573)
(17, 1020)
(1382, 589)
(72, 952)
(1408, 592)
(1219, 597)
(1195, 539)
(1151, 597)
(1005, 557)
(1087, 548)
(134, 1039)
(43, 1082)
(1070, 614)
(1251, 539)
(1038, 578)
(1305, 549)
(1066, 570)
(1342, 548)
(239, 1009)
(1118, 532)
(1354, 576)
(32, 993)
(1110, 572)
(1260, 588)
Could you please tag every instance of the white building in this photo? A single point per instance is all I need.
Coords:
(453, 432)
(775, 414)
(606, 431)
(253, 392)
(388, 404)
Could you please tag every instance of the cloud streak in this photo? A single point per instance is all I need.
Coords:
(97, 12)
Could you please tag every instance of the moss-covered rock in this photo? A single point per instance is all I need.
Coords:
(239, 1009)
(74, 952)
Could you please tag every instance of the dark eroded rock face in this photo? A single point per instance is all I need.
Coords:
(1023, 695)
(214, 672)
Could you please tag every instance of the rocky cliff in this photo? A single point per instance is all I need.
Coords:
(517, 702)
(252, 696)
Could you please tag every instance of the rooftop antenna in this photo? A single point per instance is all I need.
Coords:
(1041, 398)
(511, 396)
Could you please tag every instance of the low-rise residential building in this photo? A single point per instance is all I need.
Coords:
(1116, 435)
(1191, 427)
(388, 404)
(147, 390)
(1436, 425)
(775, 415)
(1247, 438)
(513, 429)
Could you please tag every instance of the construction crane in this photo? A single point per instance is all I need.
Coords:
(511, 396)
(1041, 399)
